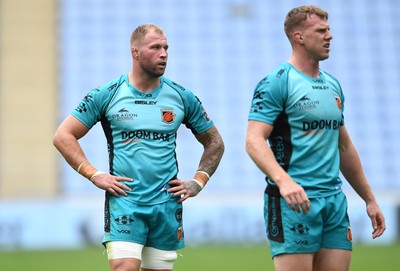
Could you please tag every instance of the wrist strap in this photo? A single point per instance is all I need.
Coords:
(201, 177)
(199, 183)
(97, 173)
(80, 165)
(86, 169)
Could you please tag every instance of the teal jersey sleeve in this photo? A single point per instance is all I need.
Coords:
(306, 114)
(269, 97)
(93, 106)
(141, 129)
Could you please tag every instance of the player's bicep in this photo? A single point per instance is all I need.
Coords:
(71, 126)
(258, 129)
(256, 136)
(209, 137)
(344, 139)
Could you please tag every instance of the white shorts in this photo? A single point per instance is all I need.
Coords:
(151, 258)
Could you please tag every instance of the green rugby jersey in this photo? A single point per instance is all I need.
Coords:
(141, 130)
(306, 114)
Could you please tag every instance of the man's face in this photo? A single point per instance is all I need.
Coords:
(317, 36)
(153, 54)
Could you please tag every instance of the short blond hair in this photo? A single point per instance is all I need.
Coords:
(141, 31)
(297, 16)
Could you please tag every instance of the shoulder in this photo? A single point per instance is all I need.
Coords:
(330, 77)
(100, 96)
(278, 76)
(179, 89)
(334, 83)
(112, 85)
(275, 82)
(173, 85)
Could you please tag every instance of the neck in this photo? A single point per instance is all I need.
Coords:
(306, 65)
(143, 82)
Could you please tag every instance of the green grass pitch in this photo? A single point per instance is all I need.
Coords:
(365, 258)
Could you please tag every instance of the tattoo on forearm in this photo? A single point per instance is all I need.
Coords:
(213, 150)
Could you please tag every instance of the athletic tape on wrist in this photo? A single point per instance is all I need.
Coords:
(86, 169)
(199, 183)
(202, 177)
(79, 167)
(97, 173)
(205, 173)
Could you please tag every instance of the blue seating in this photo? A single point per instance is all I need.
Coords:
(220, 49)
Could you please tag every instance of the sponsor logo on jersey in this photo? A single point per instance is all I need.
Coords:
(167, 116)
(319, 125)
(110, 88)
(136, 136)
(320, 87)
(306, 103)
(318, 80)
(301, 242)
(82, 106)
(123, 114)
(177, 85)
(144, 102)
(124, 231)
(279, 147)
(259, 95)
(274, 221)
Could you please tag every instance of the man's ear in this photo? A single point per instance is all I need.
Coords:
(135, 52)
(298, 37)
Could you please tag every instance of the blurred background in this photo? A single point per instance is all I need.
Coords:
(53, 52)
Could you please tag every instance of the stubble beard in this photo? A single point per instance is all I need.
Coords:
(154, 71)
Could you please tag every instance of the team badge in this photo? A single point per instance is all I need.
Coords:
(178, 215)
(167, 115)
(349, 234)
(300, 229)
(180, 233)
(338, 102)
(124, 220)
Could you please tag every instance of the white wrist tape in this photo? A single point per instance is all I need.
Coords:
(205, 173)
(97, 173)
(199, 183)
(80, 166)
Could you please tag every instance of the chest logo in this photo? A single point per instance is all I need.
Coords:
(338, 102)
(123, 115)
(305, 103)
(167, 116)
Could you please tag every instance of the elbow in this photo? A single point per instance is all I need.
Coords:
(218, 144)
(222, 147)
(56, 140)
(249, 146)
(254, 144)
(342, 148)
